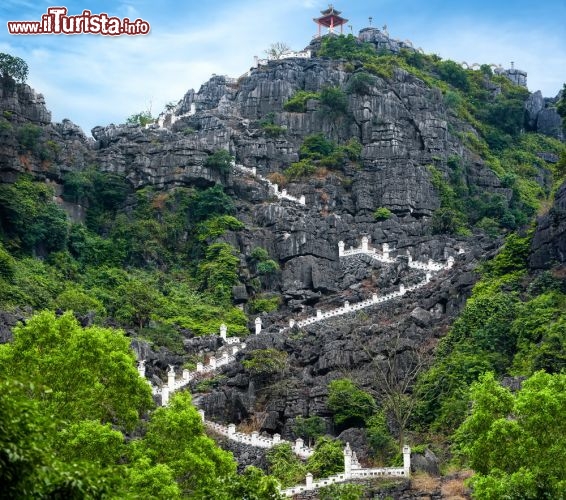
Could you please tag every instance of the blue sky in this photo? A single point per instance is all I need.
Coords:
(96, 80)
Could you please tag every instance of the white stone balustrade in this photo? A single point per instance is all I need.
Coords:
(257, 326)
(352, 470)
(254, 439)
(273, 188)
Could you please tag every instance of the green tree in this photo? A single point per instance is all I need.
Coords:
(142, 118)
(90, 372)
(266, 362)
(220, 160)
(516, 443)
(284, 465)
(349, 404)
(309, 428)
(175, 438)
(13, 67)
(327, 459)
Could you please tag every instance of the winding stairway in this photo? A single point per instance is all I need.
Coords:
(233, 345)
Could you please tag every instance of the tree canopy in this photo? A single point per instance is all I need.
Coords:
(13, 67)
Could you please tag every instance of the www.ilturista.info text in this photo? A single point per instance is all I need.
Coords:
(57, 22)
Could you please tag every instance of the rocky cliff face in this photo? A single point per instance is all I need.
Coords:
(549, 242)
(403, 127)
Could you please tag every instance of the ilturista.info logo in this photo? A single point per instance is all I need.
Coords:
(57, 22)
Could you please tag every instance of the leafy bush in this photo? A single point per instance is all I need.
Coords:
(220, 160)
(297, 103)
(309, 428)
(259, 254)
(346, 47)
(28, 136)
(297, 170)
(360, 83)
(142, 118)
(267, 267)
(349, 404)
(327, 459)
(266, 362)
(218, 272)
(334, 100)
(264, 304)
(379, 437)
(316, 146)
(285, 466)
(382, 213)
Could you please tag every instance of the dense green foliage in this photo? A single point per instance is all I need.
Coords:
(142, 118)
(512, 324)
(61, 386)
(155, 266)
(13, 67)
(297, 103)
(266, 362)
(309, 428)
(220, 160)
(317, 151)
(516, 443)
(382, 213)
(349, 404)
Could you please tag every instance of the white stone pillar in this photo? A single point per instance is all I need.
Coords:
(201, 413)
(402, 290)
(347, 306)
(254, 171)
(428, 276)
(302, 200)
(223, 331)
(164, 396)
(340, 248)
(374, 297)
(171, 379)
(231, 429)
(255, 435)
(385, 249)
(348, 461)
(275, 188)
(276, 439)
(407, 460)
(193, 109)
(283, 192)
(318, 314)
(410, 257)
(430, 263)
(450, 262)
(461, 251)
(200, 367)
(365, 244)
(308, 480)
(141, 368)
(224, 359)
(257, 326)
(234, 349)
(186, 374)
(291, 323)
(212, 362)
(299, 445)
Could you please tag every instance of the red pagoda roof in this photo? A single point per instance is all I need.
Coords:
(330, 18)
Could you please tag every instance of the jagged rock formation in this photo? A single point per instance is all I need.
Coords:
(403, 126)
(549, 242)
(541, 116)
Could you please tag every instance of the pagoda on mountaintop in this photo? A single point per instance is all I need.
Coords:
(330, 19)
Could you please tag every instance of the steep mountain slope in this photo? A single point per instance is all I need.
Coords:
(169, 239)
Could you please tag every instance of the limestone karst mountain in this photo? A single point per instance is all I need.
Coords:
(355, 142)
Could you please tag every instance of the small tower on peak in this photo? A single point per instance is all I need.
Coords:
(330, 19)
